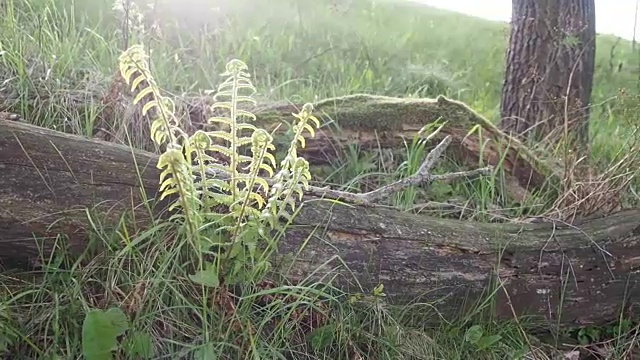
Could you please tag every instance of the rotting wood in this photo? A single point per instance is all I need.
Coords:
(48, 180)
(371, 122)
(374, 121)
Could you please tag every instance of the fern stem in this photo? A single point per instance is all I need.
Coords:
(234, 136)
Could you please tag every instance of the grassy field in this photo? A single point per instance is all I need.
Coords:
(58, 59)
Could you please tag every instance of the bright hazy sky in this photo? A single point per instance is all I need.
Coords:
(612, 16)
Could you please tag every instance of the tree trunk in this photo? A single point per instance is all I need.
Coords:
(589, 270)
(549, 70)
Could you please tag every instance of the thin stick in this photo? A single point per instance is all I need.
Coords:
(422, 176)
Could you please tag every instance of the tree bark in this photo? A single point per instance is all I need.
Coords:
(549, 70)
(588, 271)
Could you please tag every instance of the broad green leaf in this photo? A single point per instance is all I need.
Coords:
(486, 342)
(140, 345)
(323, 337)
(206, 352)
(473, 334)
(208, 277)
(100, 331)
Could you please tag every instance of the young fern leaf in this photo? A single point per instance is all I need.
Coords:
(242, 187)
(303, 124)
(134, 69)
(176, 178)
(237, 79)
(243, 171)
(261, 142)
(293, 177)
(199, 143)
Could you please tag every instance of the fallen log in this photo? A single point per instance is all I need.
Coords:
(370, 121)
(584, 273)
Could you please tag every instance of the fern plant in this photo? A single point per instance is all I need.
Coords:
(247, 197)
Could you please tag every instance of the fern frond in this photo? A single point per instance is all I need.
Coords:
(261, 143)
(242, 186)
(176, 177)
(294, 176)
(228, 99)
(303, 124)
(134, 69)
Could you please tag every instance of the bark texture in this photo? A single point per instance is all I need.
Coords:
(549, 69)
(573, 274)
(51, 182)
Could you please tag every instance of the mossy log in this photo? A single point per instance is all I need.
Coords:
(584, 273)
(372, 122)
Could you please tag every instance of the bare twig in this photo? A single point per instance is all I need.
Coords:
(422, 176)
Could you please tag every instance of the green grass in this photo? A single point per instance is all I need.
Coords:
(58, 60)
